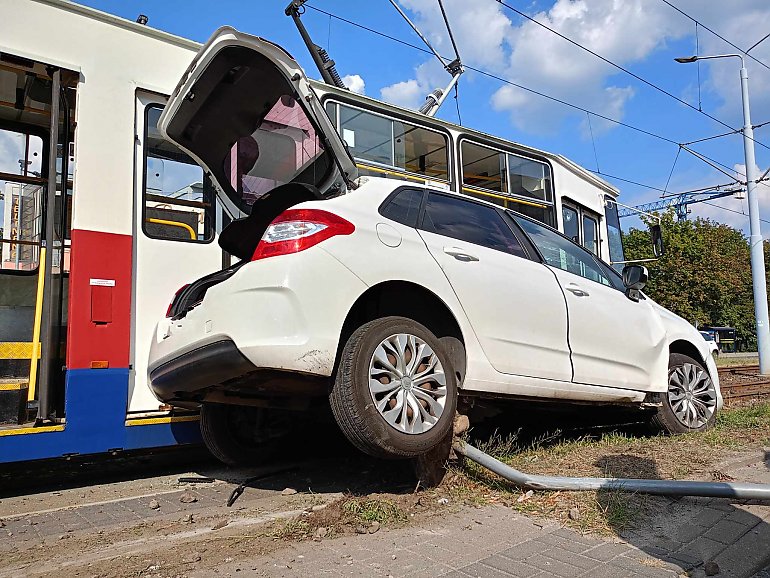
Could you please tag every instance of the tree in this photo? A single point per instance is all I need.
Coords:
(704, 275)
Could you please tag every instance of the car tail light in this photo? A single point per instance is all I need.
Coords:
(298, 229)
(178, 291)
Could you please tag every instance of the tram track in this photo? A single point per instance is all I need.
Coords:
(737, 383)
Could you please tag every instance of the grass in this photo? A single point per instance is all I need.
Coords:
(345, 516)
(612, 454)
(723, 361)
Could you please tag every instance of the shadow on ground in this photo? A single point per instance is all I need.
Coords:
(711, 536)
(318, 459)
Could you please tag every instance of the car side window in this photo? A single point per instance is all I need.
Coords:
(403, 207)
(471, 222)
(559, 252)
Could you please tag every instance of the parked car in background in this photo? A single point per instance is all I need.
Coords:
(388, 298)
(713, 347)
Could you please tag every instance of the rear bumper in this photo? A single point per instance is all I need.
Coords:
(210, 365)
(279, 320)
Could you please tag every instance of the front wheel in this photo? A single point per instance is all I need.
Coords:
(395, 392)
(690, 403)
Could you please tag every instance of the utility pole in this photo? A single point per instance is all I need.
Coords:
(759, 281)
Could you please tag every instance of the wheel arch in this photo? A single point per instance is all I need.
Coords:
(413, 301)
(686, 348)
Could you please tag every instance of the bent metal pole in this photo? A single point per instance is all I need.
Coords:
(654, 487)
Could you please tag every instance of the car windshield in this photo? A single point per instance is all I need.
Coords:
(282, 148)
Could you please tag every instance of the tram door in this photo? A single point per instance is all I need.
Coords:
(32, 315)
(175, 223)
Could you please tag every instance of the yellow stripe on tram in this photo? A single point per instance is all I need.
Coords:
(31, 430)
(504, 198)
(161, 420)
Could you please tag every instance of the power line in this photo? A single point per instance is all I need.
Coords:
(731, 210)
(498, 78)
(519, 86)
(621, 68)
(746, 52)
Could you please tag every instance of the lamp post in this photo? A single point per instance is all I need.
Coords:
(755, 240)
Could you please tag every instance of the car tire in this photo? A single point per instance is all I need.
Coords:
(239, 435)
(690, 403)
(373, 417)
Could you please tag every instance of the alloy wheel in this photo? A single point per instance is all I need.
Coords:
(691, 395)
(407, 383)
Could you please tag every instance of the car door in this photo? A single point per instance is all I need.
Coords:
(615, 341)
(514, 303)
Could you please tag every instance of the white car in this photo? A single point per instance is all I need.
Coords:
(387, 298)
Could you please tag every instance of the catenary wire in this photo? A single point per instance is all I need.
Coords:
(683, 13)
(527, 89)
(621, 68)
(511, 83)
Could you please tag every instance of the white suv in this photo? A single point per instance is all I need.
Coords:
(390, 300)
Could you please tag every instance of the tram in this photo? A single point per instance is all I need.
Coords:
(102, 220)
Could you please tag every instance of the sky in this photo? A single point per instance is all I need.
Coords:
(641, 36)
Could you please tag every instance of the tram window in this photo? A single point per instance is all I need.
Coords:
(21, 201)
(420, 151)
(483, 167)
(571, 223)
(614, 235)
(402, 145)
(529, 178)
(368, 136)
(590, 234)
(178, 200)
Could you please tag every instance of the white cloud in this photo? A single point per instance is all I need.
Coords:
(627, 32)
(355, 83)
(411, 93)
(407, 94)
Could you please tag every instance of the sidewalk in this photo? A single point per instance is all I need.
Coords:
(494, 542)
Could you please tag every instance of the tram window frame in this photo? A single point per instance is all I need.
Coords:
(43, 134)
(208, 195)
(333, 108)
(507, 199)
(582, 213)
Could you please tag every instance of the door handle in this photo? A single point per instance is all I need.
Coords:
(576, 290)
(460, 254)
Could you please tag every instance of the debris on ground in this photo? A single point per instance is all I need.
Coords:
(288, 492)
(187, 498)
(711, 568)
(219, 525)
(154, 505)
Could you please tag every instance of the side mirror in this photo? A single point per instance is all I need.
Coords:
(657, 240)
(634, 278)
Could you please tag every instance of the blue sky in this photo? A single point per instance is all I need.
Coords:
(643, 36)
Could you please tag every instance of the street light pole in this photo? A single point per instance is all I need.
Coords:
(759, 281)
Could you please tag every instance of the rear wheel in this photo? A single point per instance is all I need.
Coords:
(691, 400)
(242, 435)
(395, 392)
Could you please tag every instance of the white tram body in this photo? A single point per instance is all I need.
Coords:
(135, 219)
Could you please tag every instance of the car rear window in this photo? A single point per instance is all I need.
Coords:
(403, 207)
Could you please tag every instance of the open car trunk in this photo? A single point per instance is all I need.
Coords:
(246, 112)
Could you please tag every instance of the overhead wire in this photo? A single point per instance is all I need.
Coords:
(514, 84)
(621, 68)
(746, 52)
(542, 95)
